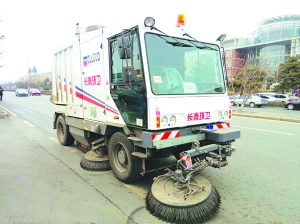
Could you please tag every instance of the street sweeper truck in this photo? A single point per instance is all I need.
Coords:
(134, 95)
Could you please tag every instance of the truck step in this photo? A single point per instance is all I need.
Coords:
(136, 139)
(140, 155)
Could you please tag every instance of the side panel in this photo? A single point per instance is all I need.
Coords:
(66, 75)
(93, 82)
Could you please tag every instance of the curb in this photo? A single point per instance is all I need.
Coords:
(267, 117)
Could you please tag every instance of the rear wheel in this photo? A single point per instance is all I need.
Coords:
(63, 134)
(252, 104)
(290, 107)
(126, 167)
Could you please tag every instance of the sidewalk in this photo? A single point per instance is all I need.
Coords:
(269, 116)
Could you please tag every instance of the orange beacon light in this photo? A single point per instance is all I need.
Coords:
(181, 20)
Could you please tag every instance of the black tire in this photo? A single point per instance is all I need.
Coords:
(232, 103)
(64, 136)
(126, 167)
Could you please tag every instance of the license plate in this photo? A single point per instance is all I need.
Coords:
(188, 162)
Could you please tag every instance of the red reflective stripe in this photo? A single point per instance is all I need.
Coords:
(219, 125)
(153, 136)
(178, 134)
(79, 95)
(166, 135)
(228, 125)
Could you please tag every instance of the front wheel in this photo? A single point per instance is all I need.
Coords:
(252, 104)
(126, 167)
(63, 134)
(290, 107)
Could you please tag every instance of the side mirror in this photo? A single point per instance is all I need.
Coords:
(124, 48)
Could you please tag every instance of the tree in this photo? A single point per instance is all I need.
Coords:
(289, 73)
(248, 80)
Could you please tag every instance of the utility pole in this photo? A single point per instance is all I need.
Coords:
(2, 37)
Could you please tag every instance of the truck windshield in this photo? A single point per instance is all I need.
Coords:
(179, 66)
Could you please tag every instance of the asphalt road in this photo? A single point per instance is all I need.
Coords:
(260, 184)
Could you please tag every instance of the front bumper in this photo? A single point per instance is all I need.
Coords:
(218, 133)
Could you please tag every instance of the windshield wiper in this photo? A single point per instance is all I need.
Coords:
(218, 89)
(204, 45)
(178, 44)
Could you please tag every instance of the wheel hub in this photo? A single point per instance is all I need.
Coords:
(122, 156)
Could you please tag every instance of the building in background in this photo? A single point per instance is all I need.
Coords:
(273, 42)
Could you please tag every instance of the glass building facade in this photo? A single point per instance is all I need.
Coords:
(273, 42)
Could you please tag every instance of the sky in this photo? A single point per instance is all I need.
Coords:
(34, 29)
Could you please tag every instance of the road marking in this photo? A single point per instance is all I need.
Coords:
(54, 139)
(7, 110)
(256, 129)
(69, 148)
(29, 124)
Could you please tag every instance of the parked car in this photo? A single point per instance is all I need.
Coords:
(293, 104)
(283, 97)
(34, 92)
(264, 94)
(21, 92)
(270, 98)
(253, 101)
(232, 99)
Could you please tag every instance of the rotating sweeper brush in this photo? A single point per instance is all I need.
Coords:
(92, 161)
(96, 159)
(183, 196)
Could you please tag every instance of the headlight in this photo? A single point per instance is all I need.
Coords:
(149, 22)
(164, 121)
(220, 115)
(172, 120)
(225, 115)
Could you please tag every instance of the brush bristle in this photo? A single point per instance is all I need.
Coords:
(197, 213)
(94, 165)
